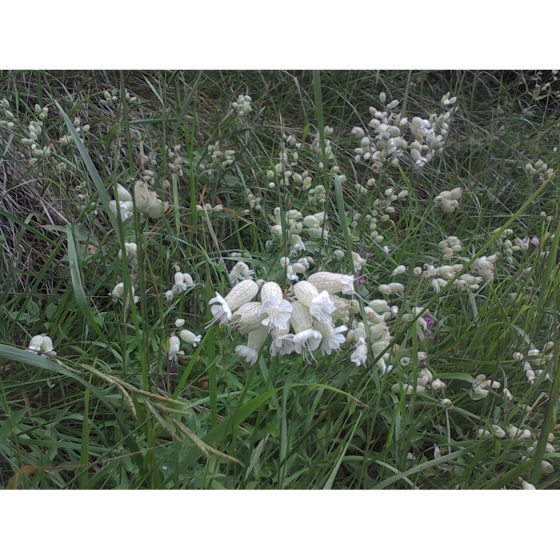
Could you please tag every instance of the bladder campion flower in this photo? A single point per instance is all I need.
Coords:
(275, 307)
(222, 307)
(333, 282)
(174, 348)
(254, 343)
(42, 344)
(332, 337)
(190, 338)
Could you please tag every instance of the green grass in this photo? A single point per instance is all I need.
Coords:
(107, 413)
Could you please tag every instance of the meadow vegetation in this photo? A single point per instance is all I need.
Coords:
(292, 280)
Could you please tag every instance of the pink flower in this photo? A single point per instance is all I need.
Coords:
(361, 280)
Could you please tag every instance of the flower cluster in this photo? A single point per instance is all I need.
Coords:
(449, 201)
(449, 247)
(131, 251)
(243, 105)
(80, 129)
(293, 269)
(535, 360)
(382, 210)
(395, 136)
(439, 276)
(313, 226)
(113, 97)
(302, 320)
(509, 248)
(145, 201)
(484, 266)
(211, 160)
(34, 137)
(329, 147)
(481, 387)
(182, 281)
(540, 169)
(175, 163)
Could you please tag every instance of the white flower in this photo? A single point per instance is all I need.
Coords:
(187, 279)
(322, 308)
(384, 289)
(479, 386)
(307, 340)
(35, 343)
(275, 307)
(241, 293)
(220, 309)
(332, 282)
(240, 272)
(396, 287)
(190, 338)
(305, 292)
(311, 222)
(332, 337)
(282, 342)
(438, 385)
(42, 344)
(118, 292)
(249, 354)
(514, 432)
(126, 209)
(183, 281)
(248, 317)
(526, 485)
(359, 356)
(278, 313)
(358, 262)
(498, 432)
(401, 269)
(179, 322)
(131, 250)
(379, 305)
(297, 243)
(291, 275)
(342, 306)
(180, 285)
(254, 343)
(147, 201)
(406, 388)
(123, 194)
(174, 348)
